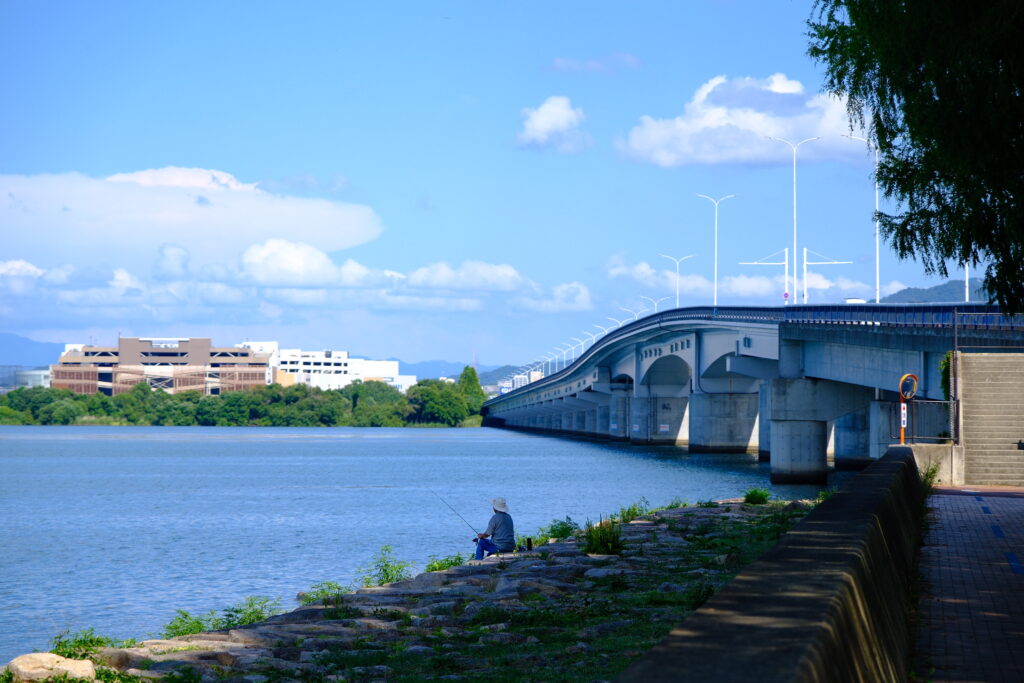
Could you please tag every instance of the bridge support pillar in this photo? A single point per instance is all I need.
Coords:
(798, 451)
(669, 420)
(640, 419)
(619, 424)
(602, 420)
(723, 423)
(800, 411)
(764, 423)
(590, 420)
(851, 437)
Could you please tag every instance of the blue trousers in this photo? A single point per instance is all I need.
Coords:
(485, 545)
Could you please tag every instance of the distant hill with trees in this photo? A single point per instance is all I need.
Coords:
(951, 291)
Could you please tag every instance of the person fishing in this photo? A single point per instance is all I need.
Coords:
(500, 535)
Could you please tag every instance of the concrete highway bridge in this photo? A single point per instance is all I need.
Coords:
(793, 384)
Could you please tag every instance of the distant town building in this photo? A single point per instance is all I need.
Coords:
(329, 369)
(36, 377)
(171, 364)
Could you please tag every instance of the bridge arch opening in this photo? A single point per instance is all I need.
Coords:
(670, 374)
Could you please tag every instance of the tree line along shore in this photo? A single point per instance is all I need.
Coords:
(430, 402)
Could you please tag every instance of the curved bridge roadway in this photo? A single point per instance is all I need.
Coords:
(790, 383)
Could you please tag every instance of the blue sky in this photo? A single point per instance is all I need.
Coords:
(413, 180)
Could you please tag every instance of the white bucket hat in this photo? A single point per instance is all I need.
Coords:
(499, 504)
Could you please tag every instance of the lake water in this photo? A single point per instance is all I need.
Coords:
(115, 528)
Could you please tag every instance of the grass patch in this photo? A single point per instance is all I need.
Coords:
(386, 569)
(437, 564)
(633, 511)
(83, 644)
(325, 592)
(251, 610)
(603, 538)
(756, 496)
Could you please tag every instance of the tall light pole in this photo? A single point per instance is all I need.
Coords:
(795, 257)
(618, 323)
(677, 261)
(593, 337)
(604, 330)
(580, 342)
(878, 298)
(655, 302)
(548, 358)
(635, 314)
(564, 351)
(716, 203)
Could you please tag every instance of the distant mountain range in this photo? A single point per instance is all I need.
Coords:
(15, 350)
(951, 291)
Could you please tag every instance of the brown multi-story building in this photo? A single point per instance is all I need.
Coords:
(173, 365)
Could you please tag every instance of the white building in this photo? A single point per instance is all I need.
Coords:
(329, 369)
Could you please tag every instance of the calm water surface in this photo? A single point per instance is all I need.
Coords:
(115, 528)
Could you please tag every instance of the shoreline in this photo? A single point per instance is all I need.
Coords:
(557, 608)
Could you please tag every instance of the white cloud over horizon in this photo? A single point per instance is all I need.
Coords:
(728, 120)
(554, 124)
(73, 218)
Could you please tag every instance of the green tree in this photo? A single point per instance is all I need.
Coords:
(938, 84)
(433, 401)
(469, 386)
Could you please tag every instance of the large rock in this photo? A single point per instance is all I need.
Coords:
(39, 666)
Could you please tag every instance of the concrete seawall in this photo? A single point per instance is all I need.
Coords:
(829, 602)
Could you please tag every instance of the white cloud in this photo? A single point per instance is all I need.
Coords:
(645, 274)
(18, 277)
(555, 123)
(280, 262)
(475, 275)
(893, 287)
(172, 261)
(19, 268)
(569, 296)
(72, 218)
(728, 121)
(619, 60)
(750, 286)
(174, 176)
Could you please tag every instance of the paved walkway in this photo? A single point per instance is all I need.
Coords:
(972, 605)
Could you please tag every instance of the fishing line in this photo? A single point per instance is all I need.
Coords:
(455, 511)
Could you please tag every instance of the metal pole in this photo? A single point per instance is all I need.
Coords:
(796, 255)
(715, 202)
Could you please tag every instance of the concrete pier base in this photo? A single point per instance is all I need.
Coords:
(724, 423)
(799, 451)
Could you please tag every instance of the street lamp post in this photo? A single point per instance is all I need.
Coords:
(655, 302)
(794, 147)
(677, 261)
(635, 314)
(604, 330)
(564, 351)
(618, 323)
(716, 203)
(593, 337)
(580, 342)
(875, 149)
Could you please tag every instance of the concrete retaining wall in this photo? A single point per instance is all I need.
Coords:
(828, 603)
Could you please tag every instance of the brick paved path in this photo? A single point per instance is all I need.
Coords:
(972, 607)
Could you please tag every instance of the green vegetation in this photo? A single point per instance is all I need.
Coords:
(361, 404)
(824, 495)
(603, 538)
(83, 644)
(937, 84)
(944, 369)
(756, 496)
(633, 511)
(251, 610)
(707, 504)
(386, 569)
(436, 563)
(324, 592)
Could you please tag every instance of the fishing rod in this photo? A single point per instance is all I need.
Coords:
(456, 512)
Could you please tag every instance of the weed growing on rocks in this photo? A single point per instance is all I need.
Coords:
(603, 538)
(251, 610)
(386, 569)
(756, 496)
(633, 511)
(437, 564)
